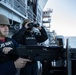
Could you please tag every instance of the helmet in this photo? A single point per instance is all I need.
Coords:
(4, 20)
(25, 21)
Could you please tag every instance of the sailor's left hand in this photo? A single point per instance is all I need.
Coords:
(39, 27)
(6, 50)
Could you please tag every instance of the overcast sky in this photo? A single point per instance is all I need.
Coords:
(63, 16)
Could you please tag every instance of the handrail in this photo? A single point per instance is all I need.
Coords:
(22, 8)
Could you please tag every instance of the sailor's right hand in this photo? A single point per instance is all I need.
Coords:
(26, 25)
(21, 62)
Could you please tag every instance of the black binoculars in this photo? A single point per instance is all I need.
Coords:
(33, 25)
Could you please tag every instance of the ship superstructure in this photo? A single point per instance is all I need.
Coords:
(18, 10)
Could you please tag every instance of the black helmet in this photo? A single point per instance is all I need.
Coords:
(4, 20)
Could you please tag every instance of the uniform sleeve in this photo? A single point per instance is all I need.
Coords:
(15, 43)
(43, 37)
(8, 69)
(1, 53)
(19, 35)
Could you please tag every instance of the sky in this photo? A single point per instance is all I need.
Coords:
(63, 17)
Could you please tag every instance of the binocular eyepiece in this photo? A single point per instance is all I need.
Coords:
(33, 25)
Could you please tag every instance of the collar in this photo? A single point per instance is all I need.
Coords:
(2, 40)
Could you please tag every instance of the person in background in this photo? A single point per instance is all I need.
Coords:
(31, 33)
(8, 62)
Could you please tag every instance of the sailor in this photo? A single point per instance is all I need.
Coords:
(31, 33)
(8, 62)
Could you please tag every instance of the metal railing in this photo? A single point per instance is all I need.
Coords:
(21, 7)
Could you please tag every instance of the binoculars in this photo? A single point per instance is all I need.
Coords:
(31, 25)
